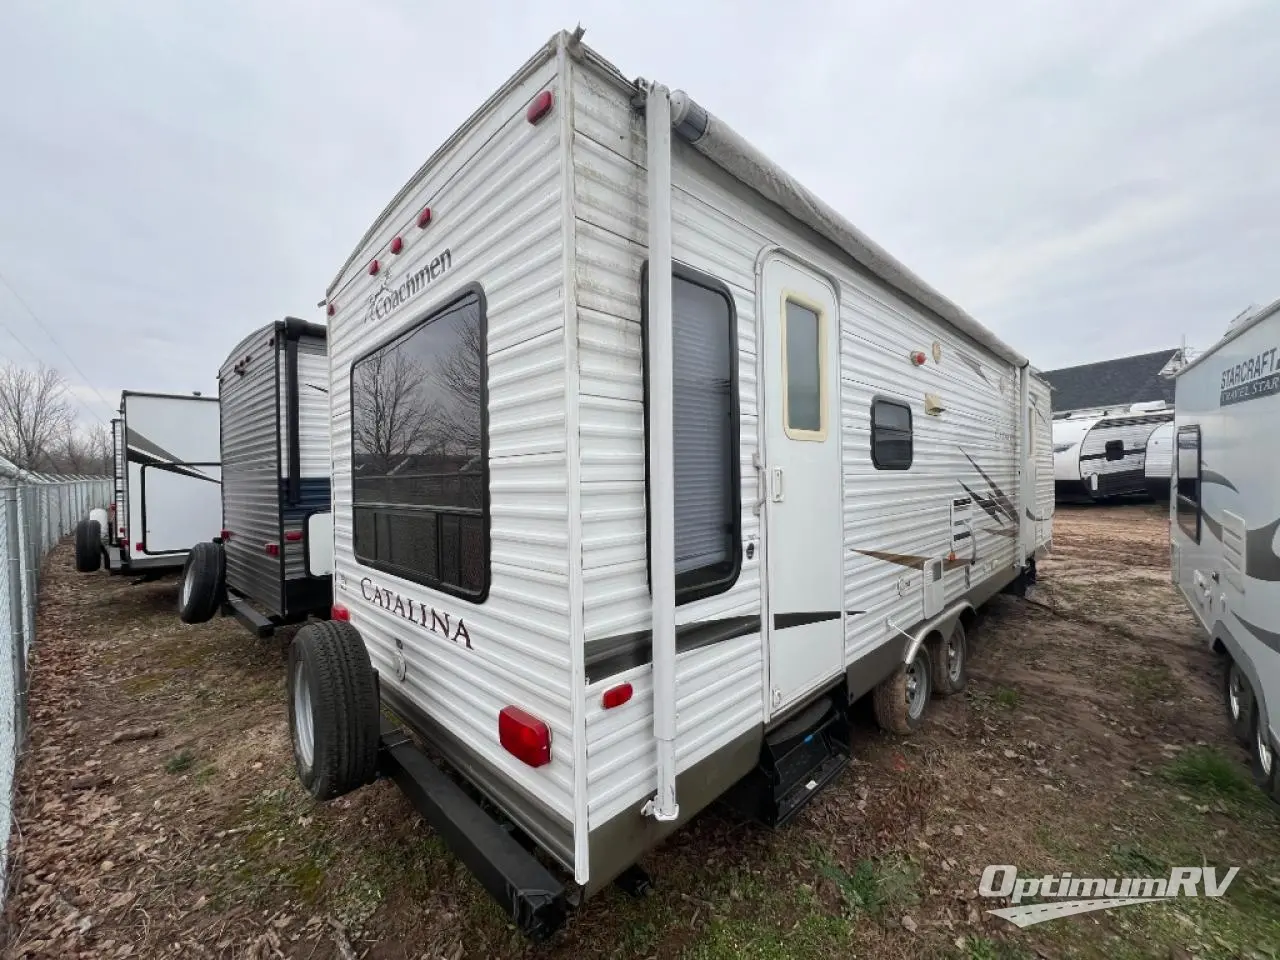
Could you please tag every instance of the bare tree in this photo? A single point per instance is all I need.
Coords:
(459, 376)
(34, 415)
(85, 452)
(392, 417)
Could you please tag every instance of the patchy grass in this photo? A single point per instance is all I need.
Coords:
(1007, 697)
(873, 886)
(1210, 774)
(180, 762)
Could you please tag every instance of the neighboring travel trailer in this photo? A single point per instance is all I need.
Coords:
(166, 478)
(1224, 519)
(646, 464)
(273, 393)
(1100, 458)
(1158, 465)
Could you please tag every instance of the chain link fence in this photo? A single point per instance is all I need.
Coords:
(34, 516)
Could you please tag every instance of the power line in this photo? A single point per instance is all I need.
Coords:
(54, 340)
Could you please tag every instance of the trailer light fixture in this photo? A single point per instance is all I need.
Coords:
(616, 696)
(294, 536)
(424, 217)
(225, 534)
(122, 532)
(524, 736)
(918, 358)
(139, 546)
(339, 612)
(331, 310)
(374, 267)
(273, 549)
(540, 107)
(397, 245)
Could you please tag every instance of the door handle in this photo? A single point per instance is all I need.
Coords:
(776, 484)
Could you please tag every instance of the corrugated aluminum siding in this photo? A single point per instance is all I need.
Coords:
(250, 405)
(496, 198)
(313, 433)
(721, 229)
(1042, 423)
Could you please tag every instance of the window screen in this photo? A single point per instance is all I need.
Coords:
(891, 441)
(419, 453)
(707, 495)
(804, 369)
(1188, 467)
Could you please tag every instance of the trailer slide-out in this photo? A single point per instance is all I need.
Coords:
(1223, 521)
(646, 464)
(273, 394)
(166, 475)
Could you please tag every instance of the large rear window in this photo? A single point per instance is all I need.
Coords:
(420, 473)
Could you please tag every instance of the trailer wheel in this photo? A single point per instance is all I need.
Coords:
(901, 698)
(333, 709)
(88, 546)
(1238, 696)
(203, 583)
(950, 661)
(1262, 757)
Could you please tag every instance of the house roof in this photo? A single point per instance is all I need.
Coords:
(1112, 383)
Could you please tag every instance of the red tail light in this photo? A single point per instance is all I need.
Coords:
(225, 534)
(616, 696)
(273, 549)
(540, 107)
(137, 546)
(339, 612)
(524, 736)
(293, 536)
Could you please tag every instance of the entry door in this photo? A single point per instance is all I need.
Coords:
(801, 360)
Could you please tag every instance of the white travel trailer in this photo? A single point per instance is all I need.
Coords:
(167, 475)
(273, 394)
(646, 464)
(1158, 466)
(1102, 457)
(1224, 521)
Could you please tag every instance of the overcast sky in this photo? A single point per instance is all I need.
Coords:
(1088, 179)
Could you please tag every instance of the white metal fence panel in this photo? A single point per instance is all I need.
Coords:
(34, 516)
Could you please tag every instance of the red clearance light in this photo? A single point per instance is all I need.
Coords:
(339, 612)
(374, 267)
(273, 549)
(138, 546)
(331, 310)
(122, 531)
(397, 245)
(540, 107)
(225, 534)
(424, 217)
(918, 358)
(616, 696)
(293, 536)
(524, 736)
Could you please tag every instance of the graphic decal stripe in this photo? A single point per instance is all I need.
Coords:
(783, 620)
(609, 655)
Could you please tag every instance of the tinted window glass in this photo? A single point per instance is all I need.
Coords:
(891, 438)
(804, 369)
(419, 464)
(1188, 467)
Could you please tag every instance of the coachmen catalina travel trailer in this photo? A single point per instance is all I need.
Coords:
(167, 478)
(1224, 522)
(273, 392)
(1097, 458)
(646, 464)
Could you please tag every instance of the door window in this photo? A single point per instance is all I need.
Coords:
(803, 380)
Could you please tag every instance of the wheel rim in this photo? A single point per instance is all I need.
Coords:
(955, 658)
(1265, 758)
(917, 688)
(186, 588)
(303, 725)
(1235, 693)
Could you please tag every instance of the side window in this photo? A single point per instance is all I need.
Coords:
(891, 439)
(1188, 467)
(420, 472)
(707, 489)
(802, 373)
(1115, 450)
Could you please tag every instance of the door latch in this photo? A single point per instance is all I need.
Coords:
(775, 484)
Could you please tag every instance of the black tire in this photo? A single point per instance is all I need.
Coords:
(1237, 697)
(88, 546)
(1265, 767)
(898, 701)
(333, 709)
(203, 584)
(950, 662)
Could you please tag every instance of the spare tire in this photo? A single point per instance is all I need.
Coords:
(88, 546)
(333, 709)
(203, 583)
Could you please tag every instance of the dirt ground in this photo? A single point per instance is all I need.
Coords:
(158, 815)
